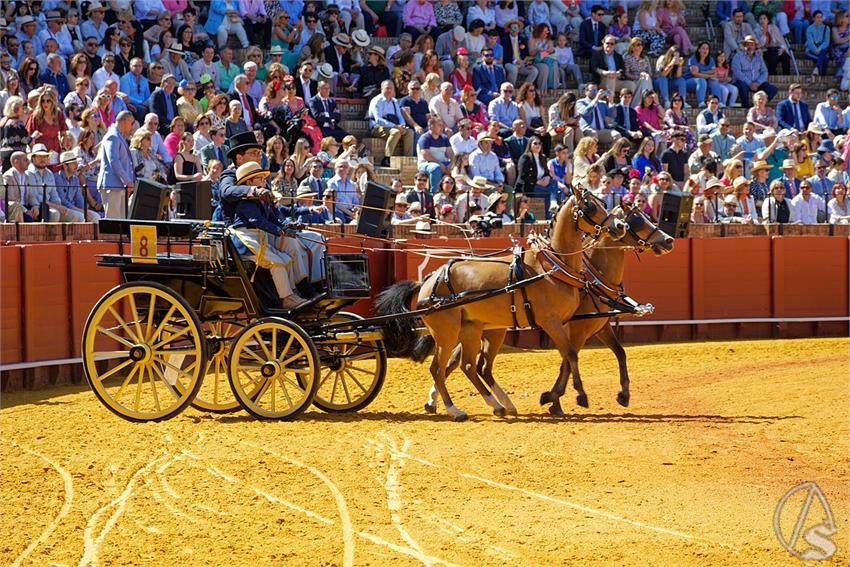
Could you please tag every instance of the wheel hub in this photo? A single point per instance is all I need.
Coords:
(141, 353)
(270, 369)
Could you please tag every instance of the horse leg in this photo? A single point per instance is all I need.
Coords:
(609, 339)
(490, 345)
(470, 343)
(560, 336)
(445, 328)
(454, 362)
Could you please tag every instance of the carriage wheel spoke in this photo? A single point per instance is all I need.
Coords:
(149, 325)
(115, 337)
(294, 357)
(253, 355)
(325, 378)
(178, 370)
(174, 390)
(109, 373)
(108, 355)
(283, 380)
(333, 391)
(358, 369)
(362, 356)
(139, 334)
(356, 381)
(264, 347)
(161, 327)
(274, 343)
(177, 335)
(121, 322)
(125, 382)
(285, 349)
(345, 389)
(297, 370)
(153, 389)
(139, 382)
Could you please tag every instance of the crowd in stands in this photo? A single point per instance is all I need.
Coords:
(96, 96)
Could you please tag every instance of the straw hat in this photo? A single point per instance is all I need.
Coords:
(96, 7)
(740, 180)
(730, 200)
(342, 40)
(54, 16)
(484, 137)
(401, 199)
(789, 164)
(67, 157)
(459, 33)
(361, 38)
(377, 50)
(749, 39)
(715, 184)
(276, 50)
(24, 20)
(40, 150)
(305, 192)
(494, 199)
(479, 182)
(176, 48)
(422, 227)
(759, 166)
(415, 206)
(326, 71)
(250, 170)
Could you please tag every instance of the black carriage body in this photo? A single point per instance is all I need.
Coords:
(200, 263)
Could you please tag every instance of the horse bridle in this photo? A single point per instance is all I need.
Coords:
(589, 204)
(642, 243)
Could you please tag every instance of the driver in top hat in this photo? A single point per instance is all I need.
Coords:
(307, 249)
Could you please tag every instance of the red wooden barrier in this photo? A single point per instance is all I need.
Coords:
(810, 276)
(88, 283)
(46, 302)
(11, 306)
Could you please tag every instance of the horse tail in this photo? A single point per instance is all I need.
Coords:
(400, 338)
(423, 348)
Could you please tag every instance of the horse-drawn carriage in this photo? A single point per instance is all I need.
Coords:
(197, 324)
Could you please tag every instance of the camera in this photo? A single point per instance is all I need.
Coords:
(484, 225)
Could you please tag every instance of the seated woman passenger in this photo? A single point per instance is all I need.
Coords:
(257, 231)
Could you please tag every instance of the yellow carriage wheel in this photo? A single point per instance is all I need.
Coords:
(143, 351)
(273, 369)
(215, 394)
(352, 373)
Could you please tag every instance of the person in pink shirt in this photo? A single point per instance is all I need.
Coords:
(419, 18)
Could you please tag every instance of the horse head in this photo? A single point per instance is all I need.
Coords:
(591, 217)
(642, 233)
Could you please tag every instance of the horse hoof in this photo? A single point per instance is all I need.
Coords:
(546, 398)
(512, 411)
(430, 408)
(500, 412)
(581, 400)
(623, 399)
(556, 410)
(460, 416)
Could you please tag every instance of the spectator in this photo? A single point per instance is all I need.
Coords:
(789, 178)
(487, 76)
(771, 40)
(387, 122)
(839, 210)
(563, 121)
(618, 156)
(626, 118)
(645, 161)
(675, 119)
(840, 38)
(817, 43)
(675, 159)
(224, 19)
(698, 213)
(415, 109)
(173, 64)
(793, 112)
(672, 18)
(446, 193)
(145, 163)
(620, 29)
(728, 91)
(821, 184)
(373, 73)
(735, 30)
(14, 136)
(806, 207)
(585, 157)
(419, 18)
(484, 163)
(422, 195)
(473, 110)
(801, 157)
(461, 76)
(593, 112)
(347, 194)
(463, 141)
(164, 102)
(637, 68)
(116, 179)
(760, 115)
(187, 106)
(750, 145)
(542, 49)
(749, 72)
(608, 67)
(136, 86)
(668, 76)
(531, 112)
(591, 33)
(701, 74)
(517, 142)
(324, 111)
(731, 213)
(648, 27)
(828, 114)
(105, 73)
(472, 199)
(722, 140)
(566, 62)
(172, 139)
(227, 70)
(651, 119)
(46, 123)
(53, 75)
(187, 166)
(434, 152)
(518, 62)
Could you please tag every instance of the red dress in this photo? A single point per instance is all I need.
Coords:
(49, 132)
(458, 82)
(310, 128)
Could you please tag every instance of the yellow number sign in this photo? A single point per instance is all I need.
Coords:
(143, 244)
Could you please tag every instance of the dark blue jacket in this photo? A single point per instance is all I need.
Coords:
(785, 114)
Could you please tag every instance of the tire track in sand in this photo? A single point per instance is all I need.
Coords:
(68, 483)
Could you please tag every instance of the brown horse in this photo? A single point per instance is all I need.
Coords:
(608, 259)
(550, 300)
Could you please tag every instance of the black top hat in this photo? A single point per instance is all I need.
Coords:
(241, 142)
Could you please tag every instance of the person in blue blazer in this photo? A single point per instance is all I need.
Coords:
(793, 112)
(487, 77)
(116, 178)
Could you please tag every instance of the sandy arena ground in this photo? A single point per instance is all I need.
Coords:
(690, 474)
